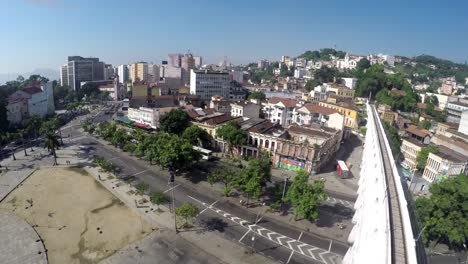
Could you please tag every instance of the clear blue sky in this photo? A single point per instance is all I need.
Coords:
(42, 33)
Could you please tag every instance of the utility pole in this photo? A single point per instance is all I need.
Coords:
(172, 181)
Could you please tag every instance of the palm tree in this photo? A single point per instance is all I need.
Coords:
(9, 138)
(52, 143)
(22, 133)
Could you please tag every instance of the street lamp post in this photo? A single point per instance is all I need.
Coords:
(420, 233)
(286, 180)
(172, 181)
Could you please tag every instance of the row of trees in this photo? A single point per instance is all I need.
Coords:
(169, 150)
(249, 180)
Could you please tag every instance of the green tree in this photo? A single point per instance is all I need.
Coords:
(258, 95)
(174, 122)
(10, 137)
(88, 90)
(311, 84)
(426, 124)
(232, 134)
(325, 74)
(158, 198)
(226, 175)
(142, 188)
(119, 138)
(444, 214)
(52, 144)
(421, 158)
(197, 136)
(129, 147)
(187, 211)
(310, 200)
(170, 151)
(394, 138)
(306, 197)
(363, 64)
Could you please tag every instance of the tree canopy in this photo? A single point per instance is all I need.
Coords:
(232, 134)
(322, 54)
(197, 136)
(259, 95)
(421, 158)
(311, 84)
(363, 65)
(187, 211)
(444, 214)
(325, 75)
(174, 122)
(305, 197)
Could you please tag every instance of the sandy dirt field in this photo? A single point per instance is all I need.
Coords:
(79, 220)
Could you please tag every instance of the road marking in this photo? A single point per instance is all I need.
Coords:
(287, 242)
(292, 251)
(208, 207)
(244, 235)
(174, 188)
(138, 173)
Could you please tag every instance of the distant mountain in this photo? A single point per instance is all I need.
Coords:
(46, 72)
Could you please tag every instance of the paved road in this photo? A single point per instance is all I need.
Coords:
(271, 237)
(276, 240)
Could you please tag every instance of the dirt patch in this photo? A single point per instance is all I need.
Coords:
(80, 221)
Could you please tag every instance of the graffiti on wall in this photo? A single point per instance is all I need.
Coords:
(291, 163)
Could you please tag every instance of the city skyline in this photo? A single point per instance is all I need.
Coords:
(115, 38)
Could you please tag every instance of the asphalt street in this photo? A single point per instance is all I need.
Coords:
(274, 239)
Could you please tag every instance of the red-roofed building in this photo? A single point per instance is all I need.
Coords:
(34, 100)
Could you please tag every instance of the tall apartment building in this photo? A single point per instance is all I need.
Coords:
(206, 84)
(81, 69)
(410, 149)
(187, 64)
(198, 61)
(153, 73)
(108, 72)
(139, 72)
(122, 72)
(175, 59)
(64, 75)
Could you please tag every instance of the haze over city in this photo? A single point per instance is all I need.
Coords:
(45, 32)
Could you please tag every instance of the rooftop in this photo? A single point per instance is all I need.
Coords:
(449, 154)
(413, 141)
(458, 103)
(301, 130)
(285, 101)
(453, 140)
(32, 90)
(412, 129)
(315, 108)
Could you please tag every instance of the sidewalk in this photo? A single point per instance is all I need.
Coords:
(223, 249)
(322, 227)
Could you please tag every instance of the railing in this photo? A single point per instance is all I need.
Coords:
(402, 239)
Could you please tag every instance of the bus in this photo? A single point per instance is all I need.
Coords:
(205, 153)
(342, 169)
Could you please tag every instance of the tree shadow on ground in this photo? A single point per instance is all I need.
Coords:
(213, 224)
(200, 171)
(331, 215)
